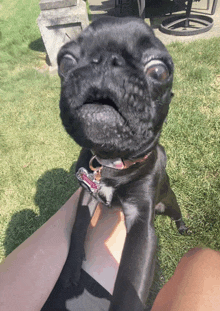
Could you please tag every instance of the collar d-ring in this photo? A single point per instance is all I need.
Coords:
(92, 168)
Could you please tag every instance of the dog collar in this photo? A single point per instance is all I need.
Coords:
(93, 183)
(117, 163)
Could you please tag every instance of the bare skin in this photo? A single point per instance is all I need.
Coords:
(195, 285)
(29, 273)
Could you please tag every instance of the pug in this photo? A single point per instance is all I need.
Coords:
(116, 87)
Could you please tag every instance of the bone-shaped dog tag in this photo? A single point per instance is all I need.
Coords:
(87, 180)
(92, 183)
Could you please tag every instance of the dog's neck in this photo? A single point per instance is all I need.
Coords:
(117, 163)
(94, 182)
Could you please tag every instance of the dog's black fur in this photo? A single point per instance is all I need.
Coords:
(116, 89)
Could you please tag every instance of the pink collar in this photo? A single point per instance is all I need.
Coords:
(117, 163)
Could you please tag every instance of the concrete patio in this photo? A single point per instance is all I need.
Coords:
(107, 7)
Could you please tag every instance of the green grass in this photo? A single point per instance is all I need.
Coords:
(192, 141)
(37, 156)
(36, 167)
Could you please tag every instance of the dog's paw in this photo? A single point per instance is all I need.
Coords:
(69, 276)
(183, 230)
(71, 272)
(181, 227)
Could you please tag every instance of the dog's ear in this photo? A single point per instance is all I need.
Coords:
(65, 64)
(67, 58)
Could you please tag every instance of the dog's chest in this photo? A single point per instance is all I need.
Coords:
(104, 193)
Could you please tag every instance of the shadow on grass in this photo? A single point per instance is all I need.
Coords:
(53, 189)
(37, 45)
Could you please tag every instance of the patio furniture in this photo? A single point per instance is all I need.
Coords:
(183, 24)
(188, 24)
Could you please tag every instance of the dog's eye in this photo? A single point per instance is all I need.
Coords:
(67, 62)
(157, 70)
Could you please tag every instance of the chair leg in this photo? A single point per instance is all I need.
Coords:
(214, 7)
(208, 3)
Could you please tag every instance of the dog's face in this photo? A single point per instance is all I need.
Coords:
(116, 87)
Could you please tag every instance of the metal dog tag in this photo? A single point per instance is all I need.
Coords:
(87, 180)
(92, 183)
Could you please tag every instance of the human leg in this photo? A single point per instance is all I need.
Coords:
(103, 247)
(29, 273)
(195, 284)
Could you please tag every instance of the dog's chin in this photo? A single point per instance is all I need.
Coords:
(109, 133)
(104, 131)
(135, 150)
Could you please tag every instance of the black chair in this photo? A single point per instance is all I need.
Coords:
(188, 24)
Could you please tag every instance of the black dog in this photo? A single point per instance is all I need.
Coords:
(116, 88)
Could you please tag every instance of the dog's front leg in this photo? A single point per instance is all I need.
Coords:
(136, 271)
(72, 267)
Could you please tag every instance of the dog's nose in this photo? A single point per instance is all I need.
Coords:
(114, 60)
(97, 59)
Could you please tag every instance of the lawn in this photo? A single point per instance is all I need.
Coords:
(38, 157)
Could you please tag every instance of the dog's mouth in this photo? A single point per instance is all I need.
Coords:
(102, 101)
(102, 106)
(102, 122)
